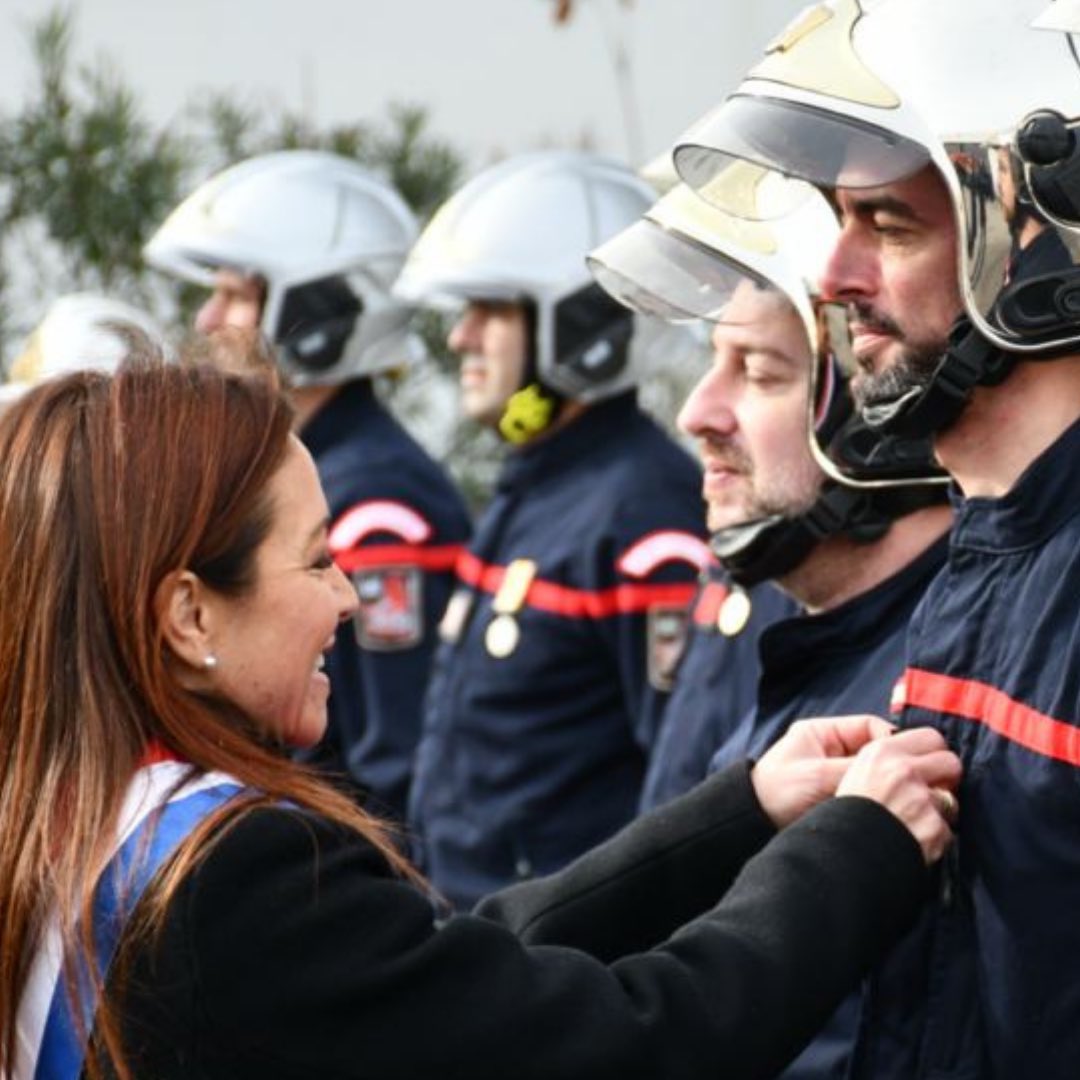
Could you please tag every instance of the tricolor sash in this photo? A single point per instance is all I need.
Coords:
(156, 817)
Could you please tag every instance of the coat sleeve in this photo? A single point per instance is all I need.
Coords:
(661, 871)
(291, 953)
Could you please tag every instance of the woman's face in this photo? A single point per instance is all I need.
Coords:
(270, 643)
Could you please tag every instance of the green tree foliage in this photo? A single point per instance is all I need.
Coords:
(82, 170)
(85, 178)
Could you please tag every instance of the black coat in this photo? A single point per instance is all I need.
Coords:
(293, 953)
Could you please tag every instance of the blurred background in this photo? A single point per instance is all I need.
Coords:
(111, 110)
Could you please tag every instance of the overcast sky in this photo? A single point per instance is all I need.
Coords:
(497, 75)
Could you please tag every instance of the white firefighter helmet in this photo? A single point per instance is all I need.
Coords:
(684, 260)
(687, 259)
(1061, 15)
(325, 237)
(80, 331)
(519, 232)
(859, 93)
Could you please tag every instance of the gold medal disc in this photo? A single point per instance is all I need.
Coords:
(502, 636)
(734, 614)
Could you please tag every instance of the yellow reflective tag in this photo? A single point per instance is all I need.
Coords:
(527, 413)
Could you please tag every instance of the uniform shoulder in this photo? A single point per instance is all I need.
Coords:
(378, 475)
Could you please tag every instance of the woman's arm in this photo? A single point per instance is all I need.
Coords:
(292, 953)
(658, 873)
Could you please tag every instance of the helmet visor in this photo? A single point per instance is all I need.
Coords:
(802, 143)
(656, 272)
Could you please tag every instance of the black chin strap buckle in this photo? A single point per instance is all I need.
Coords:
(831, 512)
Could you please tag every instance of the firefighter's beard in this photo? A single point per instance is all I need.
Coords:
(911, 366)
(737, 492)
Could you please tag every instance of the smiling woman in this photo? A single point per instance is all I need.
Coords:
(268, 645)
(183, 618)
(179, 899)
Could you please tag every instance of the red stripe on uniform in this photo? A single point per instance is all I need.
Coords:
(578, 603)
(436, 557)
(991, 707)
(711, 600)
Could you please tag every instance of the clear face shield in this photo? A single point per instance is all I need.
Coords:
(862, 95)
(685, 260)
(670, 264)
(802, 144)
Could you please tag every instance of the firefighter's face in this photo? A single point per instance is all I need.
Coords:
(490, 338)
(894, 265)
(235, 303)
(748, 413)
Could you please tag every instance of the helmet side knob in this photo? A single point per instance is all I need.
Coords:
(1045, 139)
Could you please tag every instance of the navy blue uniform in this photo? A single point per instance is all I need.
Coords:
(715, 687)
(990, 986)
(836, 663)
(397, 527)
(539, 720)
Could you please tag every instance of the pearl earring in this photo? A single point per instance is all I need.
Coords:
(210, 661)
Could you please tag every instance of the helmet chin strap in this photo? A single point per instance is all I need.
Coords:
(771, 547)
(1034, 305)
(970, 360)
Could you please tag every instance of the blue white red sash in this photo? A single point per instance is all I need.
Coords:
(154, 820)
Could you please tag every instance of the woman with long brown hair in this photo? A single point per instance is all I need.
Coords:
(179, 899)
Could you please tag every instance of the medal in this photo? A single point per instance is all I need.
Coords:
(734, 614)
(502, 636)
(503, 633)
(456, 615)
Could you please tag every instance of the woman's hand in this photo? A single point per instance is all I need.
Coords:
(808, 763)
(914, 775)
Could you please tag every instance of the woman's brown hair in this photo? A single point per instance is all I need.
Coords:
(108, 485)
